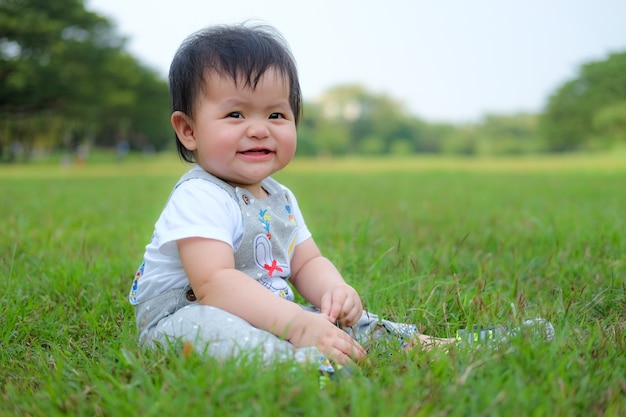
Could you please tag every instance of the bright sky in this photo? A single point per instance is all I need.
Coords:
(447, 60)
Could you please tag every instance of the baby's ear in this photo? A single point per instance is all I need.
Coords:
(183, 126)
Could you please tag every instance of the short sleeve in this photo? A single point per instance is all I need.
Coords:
(198, 208)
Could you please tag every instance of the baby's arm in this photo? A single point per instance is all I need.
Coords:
(210, 267)
(320, 283)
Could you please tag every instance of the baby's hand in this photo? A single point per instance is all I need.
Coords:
(313, 329)
(342, 303)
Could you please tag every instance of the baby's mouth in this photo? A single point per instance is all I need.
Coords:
(256, 152)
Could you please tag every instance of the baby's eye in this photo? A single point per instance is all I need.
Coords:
(277, 116)
(235, 115)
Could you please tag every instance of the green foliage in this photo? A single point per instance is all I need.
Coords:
(349, 119)
(36, 39)
(64, 65)
(68, 82)
(588, 110)
(508, 134)
(442, 243)
(610, 122)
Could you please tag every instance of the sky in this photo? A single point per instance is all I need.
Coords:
(445, 60)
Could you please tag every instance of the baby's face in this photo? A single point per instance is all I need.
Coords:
(243, 135)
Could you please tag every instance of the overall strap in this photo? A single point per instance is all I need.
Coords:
(272, 186)
(202, 174)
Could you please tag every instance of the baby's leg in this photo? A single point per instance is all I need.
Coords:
(371, 328)
(217, 333)
(427, 342)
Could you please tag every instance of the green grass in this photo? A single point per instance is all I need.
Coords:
(443, 243)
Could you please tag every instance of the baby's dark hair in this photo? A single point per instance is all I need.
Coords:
(241, 52)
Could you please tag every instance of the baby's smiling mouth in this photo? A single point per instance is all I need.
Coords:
(256, 151)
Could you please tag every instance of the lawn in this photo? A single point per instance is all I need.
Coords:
(444, 243)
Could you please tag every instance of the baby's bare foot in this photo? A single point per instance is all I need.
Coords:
(428, 342)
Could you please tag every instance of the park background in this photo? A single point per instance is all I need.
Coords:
(487, 78)
(490, 220)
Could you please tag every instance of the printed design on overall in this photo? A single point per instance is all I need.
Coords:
(265, 259)
(263, 247)
(404, 332)
(265, 218)
(292, 219)
(275, 272)
(133, 290)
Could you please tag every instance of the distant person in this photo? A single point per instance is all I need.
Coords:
(122, 148)
(215, 274)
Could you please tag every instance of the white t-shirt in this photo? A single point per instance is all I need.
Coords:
(196, 208)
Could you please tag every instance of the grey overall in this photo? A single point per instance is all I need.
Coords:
(264, 254)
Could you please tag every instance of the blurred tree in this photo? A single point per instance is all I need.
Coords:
(463, 140)
(507, 134)
(375, 123)
(320, 135)
(610, 122)
(587, 109)
(134, 106)
(65, 65)
(435, 135)
(45, 49)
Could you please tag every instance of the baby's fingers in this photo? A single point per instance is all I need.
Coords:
(346, 353)
(332, 306)
(325, 307)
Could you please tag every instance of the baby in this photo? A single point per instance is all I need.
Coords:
(231, 239)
